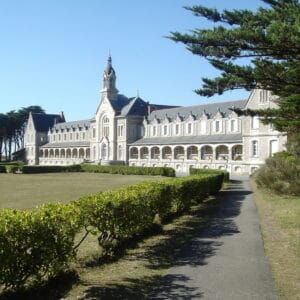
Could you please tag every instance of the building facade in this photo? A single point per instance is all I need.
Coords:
(131, 131)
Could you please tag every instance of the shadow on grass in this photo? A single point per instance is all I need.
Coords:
(55, 288)
(190, 240)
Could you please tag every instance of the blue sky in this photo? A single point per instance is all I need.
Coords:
(53, 53)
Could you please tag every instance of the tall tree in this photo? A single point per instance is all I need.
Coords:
(12, 129)
(269, 39)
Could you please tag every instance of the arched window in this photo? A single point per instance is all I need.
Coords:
(105, 126)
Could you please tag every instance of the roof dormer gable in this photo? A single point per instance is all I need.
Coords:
(204, 115)
(190, 117)
(166, 120)
(155, 120)
(218, 114)
(178, 118)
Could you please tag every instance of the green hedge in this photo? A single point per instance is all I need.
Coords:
(50, 169)
(40, 243)
(126, 170)
(2, 169)
(129, 170)
(209, 171)
(36, 243)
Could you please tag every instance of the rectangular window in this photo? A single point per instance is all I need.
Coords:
(217, 126)
(70, 136)
(83, 135)
(232, 125)
(189, 128)
(65, 137)
(154, 130)
(94, 132)
(177, 129)
(254, 148)
(203, 127)
(165, 129)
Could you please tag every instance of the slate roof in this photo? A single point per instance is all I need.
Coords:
(198, 139)
(210, 109)
(42, 122)
(119, 103)
(74, 124)
(136, 107)
(67, 144)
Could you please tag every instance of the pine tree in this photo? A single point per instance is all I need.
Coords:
(269, 39)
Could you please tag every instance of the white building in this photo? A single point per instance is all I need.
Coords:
(133, 132)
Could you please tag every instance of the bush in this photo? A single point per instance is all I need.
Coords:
(281, 174)
(210, 171)
(40, 243)
(2, 169)
(129, 170)
(121, 214)
(50, 169)
(34, 244)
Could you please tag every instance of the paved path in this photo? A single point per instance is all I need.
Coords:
(226, 260)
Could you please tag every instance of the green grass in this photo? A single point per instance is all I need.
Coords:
(25, 191)
(280, 222)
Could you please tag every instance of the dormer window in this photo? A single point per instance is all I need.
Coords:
(177, 129)
(218, 126)
(189, 128)
(233, 125)
(165, 129)
(154, 130)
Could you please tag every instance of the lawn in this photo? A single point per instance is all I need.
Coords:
(280, 223)
(25, 191)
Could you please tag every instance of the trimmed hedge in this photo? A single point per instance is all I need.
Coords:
(209, 171)
(40, 243)
(125, 170)
(50, 169)
(36, 243)
(129, 170)
(2, 169)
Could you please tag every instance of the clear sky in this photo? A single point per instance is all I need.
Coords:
(53, 53)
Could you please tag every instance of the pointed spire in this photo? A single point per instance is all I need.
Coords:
(109, 64)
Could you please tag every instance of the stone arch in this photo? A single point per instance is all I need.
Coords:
(134, 153)
(222, 152)
(166, 152)
(192, 152)
(237, 152)
(68, 153)
(144, 153)
(155, 152)
(206, 152)
(178, 152)
(46, 153)
(74, 153)
(87, 153)
(51, 153)
(81, 153)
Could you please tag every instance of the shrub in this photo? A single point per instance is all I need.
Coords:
(12, 168)
(120, 214)
(40, 243)
(34, 244)
(281, 174)
(2, 169)
(129, 170)
(195, 171)
(50, 169)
